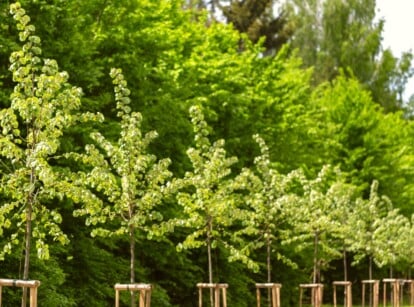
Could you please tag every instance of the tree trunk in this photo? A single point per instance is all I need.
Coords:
(345, 265)
(269, 265)
(370, 278)
(28, 237)
(370, 267)
(210, 263)
(315, 258)
(132, 261)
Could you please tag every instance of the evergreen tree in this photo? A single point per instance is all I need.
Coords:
(257, 19)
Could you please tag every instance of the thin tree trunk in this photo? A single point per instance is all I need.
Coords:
(210, 263)
(370, 278)
(28, 235)
(345, 265)
(269, 265)
(132, 261)
(370, 268)
(315, 258)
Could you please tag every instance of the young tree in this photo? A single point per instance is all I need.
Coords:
(267, 193)
(209, 207)
(364, 220)
(391, 234)
(410, 250)
(343, 197)
(312, 220)
(43, 105)
(130, 180)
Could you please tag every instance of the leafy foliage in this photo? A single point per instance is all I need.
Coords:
(365, 221)
(268, 192)
(129, 179)
(43, 104)
(334, 36)
(312, 217)
(175, 59)
(208, 206)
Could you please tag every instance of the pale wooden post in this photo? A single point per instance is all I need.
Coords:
(410, 284)
(32, 284)
(395, 293)
(375, 291)
(275, 293)
(316, 293)
(144, 293)
(217, 288)
(348, 292)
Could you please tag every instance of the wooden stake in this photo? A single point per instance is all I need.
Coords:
(144, 293)
(316, 293)
(32, 284)
(375, 292)
(217, 289)
(347, 289)
(275, 293)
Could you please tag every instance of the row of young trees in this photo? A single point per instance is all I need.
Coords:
(113, 180)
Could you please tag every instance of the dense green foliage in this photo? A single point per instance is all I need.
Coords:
(334, 36)
(329, 177)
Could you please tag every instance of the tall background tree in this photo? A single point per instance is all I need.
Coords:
(174, 59)
(336, 35)
(366, 143)
(259, 19)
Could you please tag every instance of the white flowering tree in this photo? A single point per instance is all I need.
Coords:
(268, 193)
(132, 182)
(365, 218)
(391, 233)
(343, 196)
(43, 105)
(208, 204)
(410, 249)
(312, 219)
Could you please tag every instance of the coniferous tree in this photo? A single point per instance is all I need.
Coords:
(257, 19)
